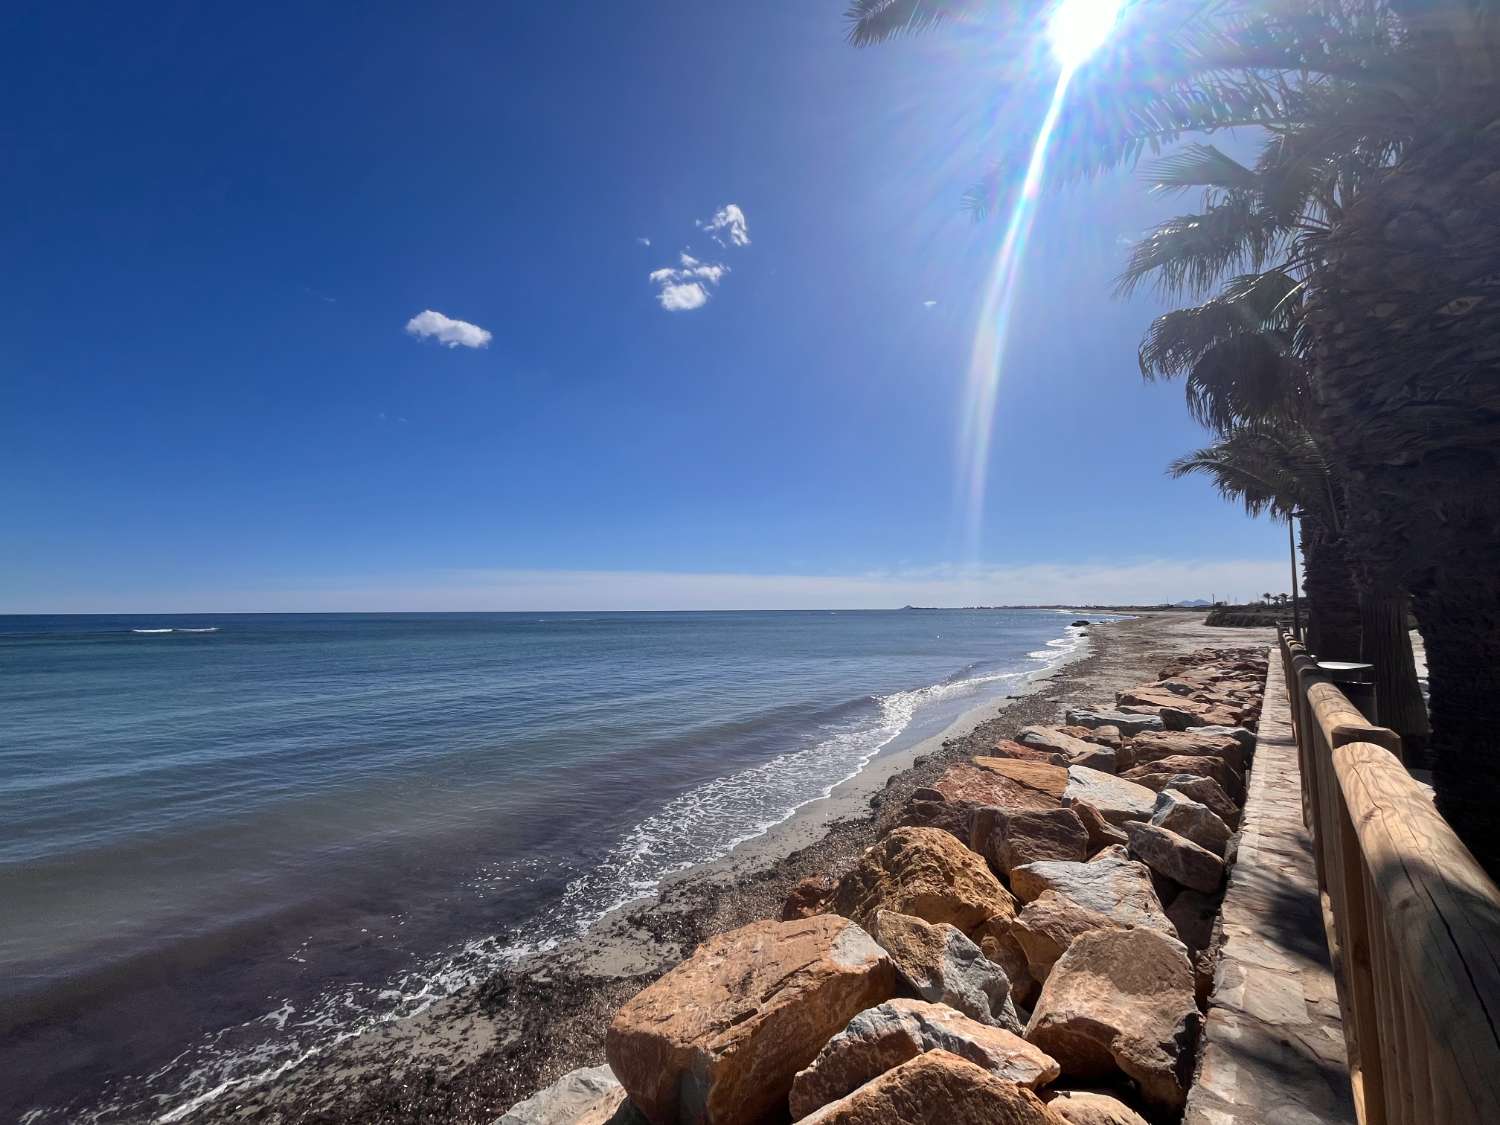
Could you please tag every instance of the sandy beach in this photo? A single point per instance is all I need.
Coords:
(469, 1057)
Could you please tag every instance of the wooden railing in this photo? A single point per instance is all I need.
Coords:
(1413, 922)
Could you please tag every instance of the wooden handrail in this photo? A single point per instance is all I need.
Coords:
(1413, 921)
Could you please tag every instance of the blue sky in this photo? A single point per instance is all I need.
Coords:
(220, 221)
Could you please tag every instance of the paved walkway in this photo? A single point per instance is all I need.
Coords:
(1273, 1043)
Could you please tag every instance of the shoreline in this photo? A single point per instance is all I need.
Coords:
(468, 1057)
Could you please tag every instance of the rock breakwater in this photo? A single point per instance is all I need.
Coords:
(1063, 885)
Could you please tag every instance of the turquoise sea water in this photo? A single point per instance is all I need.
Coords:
(269, 831)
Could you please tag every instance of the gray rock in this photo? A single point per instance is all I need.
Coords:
(1049, 738)
(1246, 738)
(588, 1096)
(1127, 724)
(1176, 857)
(1179, 813)
(1119, 801)
(1009, 839)
(1100, 758)
(882, 1038)
(1206, 791)
(943, 966)
(1110, 884)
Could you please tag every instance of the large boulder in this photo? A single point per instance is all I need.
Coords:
(1046, 927)
(588, 1096)
(928, 874)
(1124, 722)
(1245, 738)
(1118, 799)
(1193, 914)
(1104, 736)
(880, 1039)
(1122, 1001)
(999, 785)
(1165, 744)
(1206, 791)
(942, 965)
(1006, 748)
(1101, 833)
(949, 802)
(998, 943)
(1176, 858)
(927, 809)
(1041, 778)
(937, 1088)
(1111, 884)
(1152, 695)
(719, 1038)
(1050, 738)
(1087, 1107)
(1008, 840)
(1197, 765)
(1181, 814)
(810, 896)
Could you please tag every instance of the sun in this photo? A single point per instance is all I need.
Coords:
(1078, 28)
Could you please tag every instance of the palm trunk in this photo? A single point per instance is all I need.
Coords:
(1329, 585)
(1405, 316)
(1386, 643)
(1461, 628)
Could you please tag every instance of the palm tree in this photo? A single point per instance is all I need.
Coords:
(1279, 470)
(1384, 119)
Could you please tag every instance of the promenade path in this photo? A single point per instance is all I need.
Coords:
(1273, 1049)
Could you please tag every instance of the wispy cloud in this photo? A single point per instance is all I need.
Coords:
(928, 304)
(447, 331)
(691, 283)
(643, 240)
(686, 286)
(727, 227)
(1141, 581)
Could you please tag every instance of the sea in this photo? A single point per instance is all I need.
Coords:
(228, 842)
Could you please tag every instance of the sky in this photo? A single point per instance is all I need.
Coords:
(471, 306)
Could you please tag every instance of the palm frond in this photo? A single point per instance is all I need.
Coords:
(876, 21)
(1277, 469)
(1191, 253)
(1199, 165)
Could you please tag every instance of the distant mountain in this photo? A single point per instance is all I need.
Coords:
(1194, 603)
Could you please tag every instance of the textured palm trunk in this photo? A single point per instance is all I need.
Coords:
(1385, 642)
(1405, 315)
(1463, 668)
(1327, 580)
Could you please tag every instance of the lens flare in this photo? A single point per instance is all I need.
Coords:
(977, 418)
(1078, 28)
(1075, 31)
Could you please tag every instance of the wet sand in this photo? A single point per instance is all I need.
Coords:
(467, 1059)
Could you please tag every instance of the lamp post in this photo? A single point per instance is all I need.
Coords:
(1291, 536)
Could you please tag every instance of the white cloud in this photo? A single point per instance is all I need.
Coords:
(686, 285)
(643, 240)
(928, 304)
(727, 227)
(1142, 581)
(447, 331)
(681, 298)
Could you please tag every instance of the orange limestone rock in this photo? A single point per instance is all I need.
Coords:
(1122, 1001)
(937, 1088)
(883, 1038)
(719, 1038)
(928, 874)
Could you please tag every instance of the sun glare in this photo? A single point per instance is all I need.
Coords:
(1078, 28)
